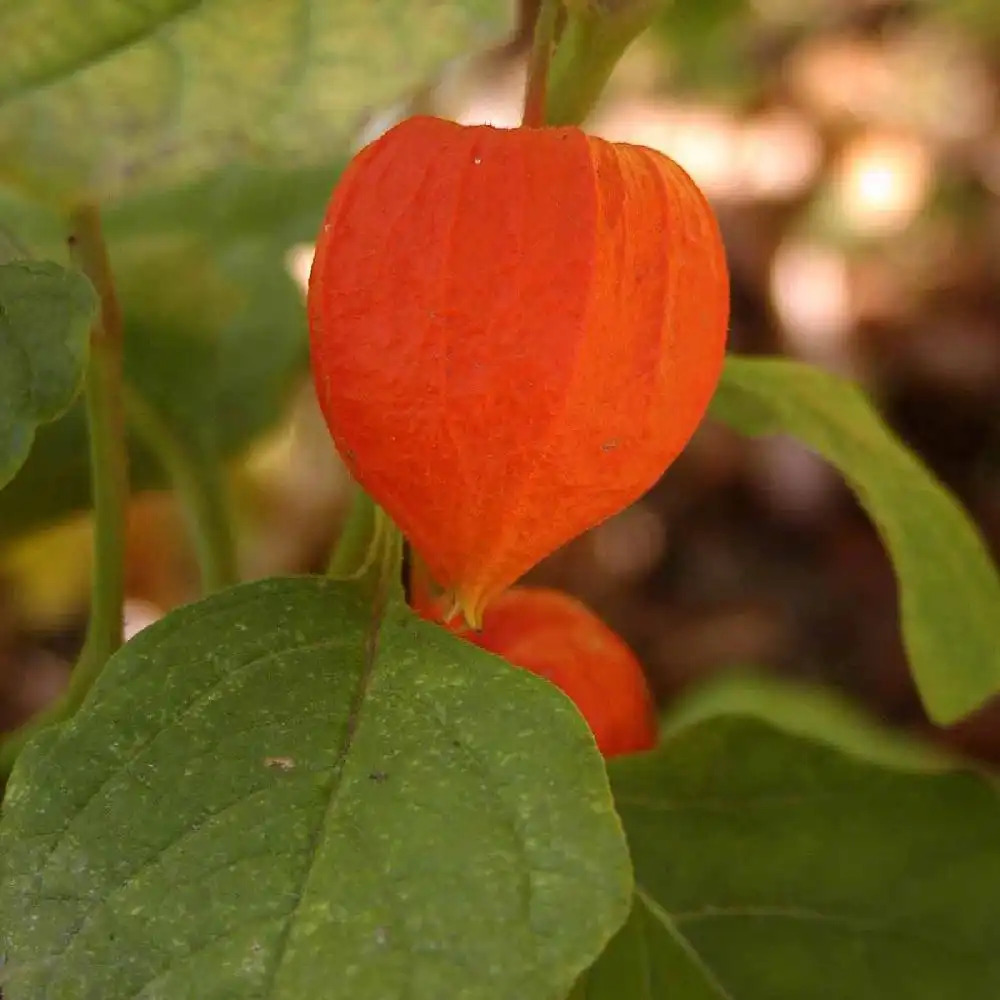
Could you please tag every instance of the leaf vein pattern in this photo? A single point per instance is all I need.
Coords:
(186, 710)
(527, 887)
(62, 72)
(333, 786)
(711, 979)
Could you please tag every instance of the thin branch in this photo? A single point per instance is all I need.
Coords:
(108, 456)
(536, 89)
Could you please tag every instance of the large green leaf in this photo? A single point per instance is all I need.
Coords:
(949, 591)
(110, 99)
(45, 317)
(773, 868)
(255, 801)
(215, 328)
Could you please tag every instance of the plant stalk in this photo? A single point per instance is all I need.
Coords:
(536, 88)
(200, 491)
(109, 483)
(594, 38)
(108, 457)
(357, 545)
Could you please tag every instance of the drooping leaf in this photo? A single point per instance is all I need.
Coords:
(45, 317)
(770, 867)
(949, 590)
(164, 91)
(215, 334)
(807, 710)
(250, 804)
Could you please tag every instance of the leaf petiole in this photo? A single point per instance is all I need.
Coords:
(108, 457)
(109, 483)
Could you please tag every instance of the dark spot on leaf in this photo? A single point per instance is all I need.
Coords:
(378, 777)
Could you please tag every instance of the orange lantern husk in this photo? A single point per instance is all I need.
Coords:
(557, 637)
(513, 334)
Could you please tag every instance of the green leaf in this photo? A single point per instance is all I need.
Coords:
(166, 90)
(215, 332)
(773, 868)
(45, 317)
(245, 807)
(806, 710)
(709, 46)
(949, 591)
(647, 959)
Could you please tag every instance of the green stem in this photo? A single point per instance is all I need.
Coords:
(109, 483)
(356, 547)
(596, 35)
(199, 488)
(536, 88)
(369, 550)
(108, 457)
(391, 586)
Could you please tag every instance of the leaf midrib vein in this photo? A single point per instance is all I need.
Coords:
(334, 785)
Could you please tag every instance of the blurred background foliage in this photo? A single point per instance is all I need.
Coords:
(852, 150)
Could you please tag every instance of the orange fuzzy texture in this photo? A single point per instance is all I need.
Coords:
(514, 332)
(555, 636)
